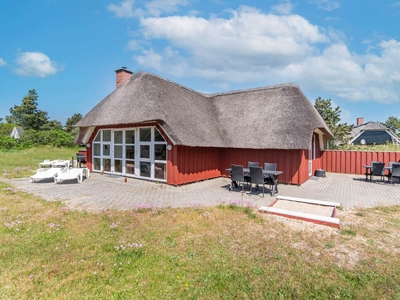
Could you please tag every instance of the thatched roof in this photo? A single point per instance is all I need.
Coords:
(367, 126)
(372, 133)
(276, 117)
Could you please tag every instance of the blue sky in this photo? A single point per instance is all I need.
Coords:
(348, 51)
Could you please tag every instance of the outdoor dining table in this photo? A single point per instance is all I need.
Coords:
(273, 174)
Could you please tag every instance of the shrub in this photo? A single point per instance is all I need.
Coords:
(7, 142)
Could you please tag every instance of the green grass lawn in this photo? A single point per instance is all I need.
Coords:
(48, 251)
(24, 163)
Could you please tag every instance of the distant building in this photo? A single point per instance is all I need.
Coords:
(372, 133)
(17, 132)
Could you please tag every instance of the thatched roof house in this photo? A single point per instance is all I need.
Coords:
(269, 118)
(372, 133)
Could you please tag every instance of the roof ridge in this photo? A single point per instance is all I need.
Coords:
(263, 88)
(275, 86)
(141, 72)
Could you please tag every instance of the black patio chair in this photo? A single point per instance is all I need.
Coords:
(268, 178)
(250, 164)
(237, 176)
(257, 178)
(395, 171)
(390, 169)
(378, 169)
(368, 171)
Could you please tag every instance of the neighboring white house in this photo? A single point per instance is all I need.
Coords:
(17, 132)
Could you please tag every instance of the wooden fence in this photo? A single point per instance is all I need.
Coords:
(352, 161)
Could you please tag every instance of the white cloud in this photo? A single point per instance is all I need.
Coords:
(125, 9)
(328, 5)
(133, 45)
(2, 62)
(249, 37)
(252, 46)
(284, 7)
(35, 64)
(157, 7)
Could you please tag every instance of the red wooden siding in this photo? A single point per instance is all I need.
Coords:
(293, 163)
(190, 164)
(352, 162)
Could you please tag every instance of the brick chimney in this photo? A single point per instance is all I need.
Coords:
(360, 121)
(122, 75)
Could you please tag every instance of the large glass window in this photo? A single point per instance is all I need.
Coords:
(160, 152)
(117, 137)
(145, 151)
(138, 152)
(107, 164)
(96, 164)
(96, 149)
(145, 134)
(160, 171)
(130, 137)
(130, 152)
(117, 151)
(106, 149)
(145, 169)
(106, 135)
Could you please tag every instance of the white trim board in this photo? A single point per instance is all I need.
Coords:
(300, 215)
(311, 201)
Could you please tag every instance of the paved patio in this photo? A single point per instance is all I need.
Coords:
(101, 192)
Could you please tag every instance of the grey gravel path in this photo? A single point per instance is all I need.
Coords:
(102, 192)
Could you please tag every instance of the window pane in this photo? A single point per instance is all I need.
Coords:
(118, 166)
(96, 150)
(160, 152)
(157, 136)
(145, 169)
(117, 151)
(107, 165)
(145, 151)
(130, 167)
(130, 152)
(145, 134)
(130, 136)
(159, 171)
(98, 136)
(118, 137)
(96, 163)
(106, 135)
(106, 150)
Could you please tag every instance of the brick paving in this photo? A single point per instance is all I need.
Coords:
(102, 192)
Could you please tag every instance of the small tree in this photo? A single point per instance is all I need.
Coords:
(393, 124)
(27, 114)
(331, 117)
(51, 125)
(72, 121)
(6, 128)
